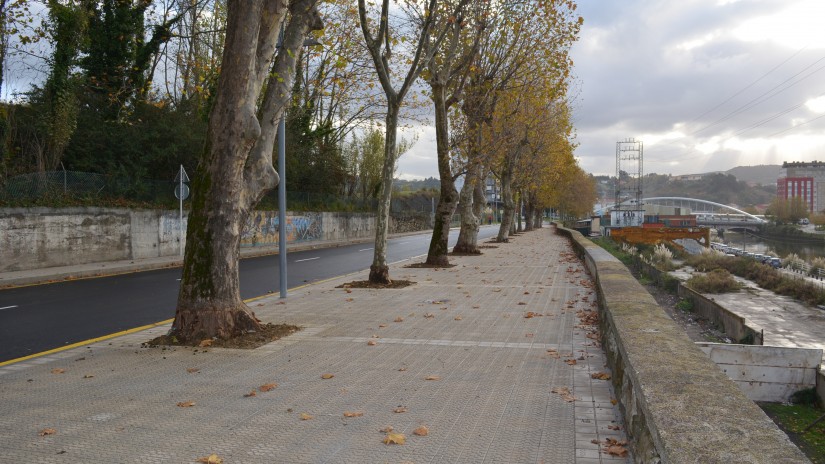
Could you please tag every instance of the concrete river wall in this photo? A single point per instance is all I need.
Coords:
(679, 406)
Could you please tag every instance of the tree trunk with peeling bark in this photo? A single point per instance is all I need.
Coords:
(509, 205)
(439, 246)
(236, 170)
(379, 270)
(468, 234)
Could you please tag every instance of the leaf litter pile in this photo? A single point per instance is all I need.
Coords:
(250, 340)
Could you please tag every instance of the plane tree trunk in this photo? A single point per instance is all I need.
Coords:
(235, 169)
(447, 201)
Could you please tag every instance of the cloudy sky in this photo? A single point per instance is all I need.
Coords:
(706, 85)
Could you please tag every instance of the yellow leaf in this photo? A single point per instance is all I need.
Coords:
(305, 416)
(267, 387)
(421, 431)
(211, 459)
(600, 376)
(205, 343)
(47, 431)
(353, 413)
(327, 376)
(395, 439)
(186, 404)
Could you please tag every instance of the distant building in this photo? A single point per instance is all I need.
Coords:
(805, 180)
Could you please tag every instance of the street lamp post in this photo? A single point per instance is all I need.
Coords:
(282, 183)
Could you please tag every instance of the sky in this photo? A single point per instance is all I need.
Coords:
(705, 85)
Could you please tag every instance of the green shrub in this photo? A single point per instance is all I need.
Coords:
(685, 304)
(715, 281)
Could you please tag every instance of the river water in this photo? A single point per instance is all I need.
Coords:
(779, 248)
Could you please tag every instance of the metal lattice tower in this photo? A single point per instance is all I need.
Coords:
(629, 175)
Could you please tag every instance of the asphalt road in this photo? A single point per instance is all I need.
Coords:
(43, 317)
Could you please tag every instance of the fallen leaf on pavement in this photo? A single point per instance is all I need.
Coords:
(399, 319)
(327, 376)
(348, 290)
(600, 376)
(205, 343)
(399, 410)
(429, 315)
(421, 431)
(381, 326)
(47, 431)
(211, 459)
(88, 376)
(353, 413)
(305, 416)
(372, 343)
(267, 387)
(571, 362)
(58, 370)
(394, 439)
(565, 394)
(186, 404)
(432, 377)
(192, 370)
(250, 394)
(615, 447)
(458, 318)
(349, 299)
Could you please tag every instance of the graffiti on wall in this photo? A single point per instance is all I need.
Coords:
(262, 228)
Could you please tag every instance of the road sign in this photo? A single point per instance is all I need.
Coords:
(181, 191)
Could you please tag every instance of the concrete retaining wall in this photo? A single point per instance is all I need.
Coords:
(679, 407)
(735, 326)
(766, 373)
(33, 238)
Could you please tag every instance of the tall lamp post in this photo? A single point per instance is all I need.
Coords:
(282, 183)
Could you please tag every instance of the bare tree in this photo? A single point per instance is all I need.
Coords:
(430, 32)
(236, 169)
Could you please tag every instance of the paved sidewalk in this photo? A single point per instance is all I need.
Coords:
(497, 392)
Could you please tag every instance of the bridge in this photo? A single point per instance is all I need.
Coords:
(708, 213)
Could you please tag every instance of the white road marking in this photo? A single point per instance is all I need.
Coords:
(307, 259)
(8, 307)
(366, 249)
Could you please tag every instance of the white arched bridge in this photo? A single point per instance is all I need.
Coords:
(708, 213)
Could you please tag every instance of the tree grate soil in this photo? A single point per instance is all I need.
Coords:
(269, 333)
(368, 284)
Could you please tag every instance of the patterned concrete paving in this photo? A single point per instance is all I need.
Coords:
(502, 383)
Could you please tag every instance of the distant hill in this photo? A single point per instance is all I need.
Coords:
(414, 185)
(764, 174)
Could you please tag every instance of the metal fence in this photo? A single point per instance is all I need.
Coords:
(95, 189)
(83, 185)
